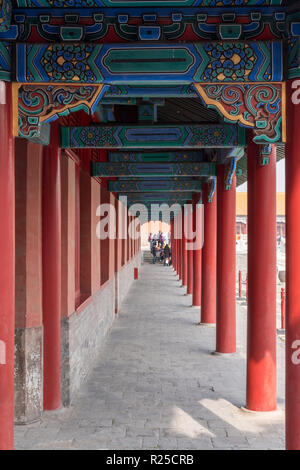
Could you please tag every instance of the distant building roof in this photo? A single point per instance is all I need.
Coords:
(241, 203)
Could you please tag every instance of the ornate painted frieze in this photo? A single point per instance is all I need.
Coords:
(144, 186)
(5, 15)
(71, 21)
(159, 136)
(186, 63)
(260, 107)
(38, 105)
(175, 156)
(5, 61)
(143, 3)
(108, 169)
(140, 91)
(150, 197)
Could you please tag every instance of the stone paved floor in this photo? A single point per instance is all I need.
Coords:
(157, 386)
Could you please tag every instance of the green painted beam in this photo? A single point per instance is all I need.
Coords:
(144, 186)
(149, 197)
(149, 63)
(156, 136)
(159, 156)
(105, 169)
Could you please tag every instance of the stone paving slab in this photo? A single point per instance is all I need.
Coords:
(156, 384)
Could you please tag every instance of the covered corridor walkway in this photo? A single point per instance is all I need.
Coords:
(156, 384)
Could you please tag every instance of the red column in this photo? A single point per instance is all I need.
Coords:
(172, 240)
(226, 248)
(176, 245)
(209, 260)
(197, 253)
(190, 275)
(180, 262)
(292, 273)
(52, 271)
(261, 350)
(184, 250)
(7, 272)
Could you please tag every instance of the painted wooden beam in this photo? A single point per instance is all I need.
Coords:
(162, 156)
(157, 136)
(144, 186)
(142, 3)
(106, 169)
(202, 62)
(157, 196)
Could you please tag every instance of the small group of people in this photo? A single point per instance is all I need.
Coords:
(160, 249)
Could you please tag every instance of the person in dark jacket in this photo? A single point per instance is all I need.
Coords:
(154, 251)
(167, 255)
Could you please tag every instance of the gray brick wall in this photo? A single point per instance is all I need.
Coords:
(82, 335)
(82, 338)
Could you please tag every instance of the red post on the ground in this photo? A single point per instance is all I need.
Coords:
(226, 263)
(7, 272)
(178, 245)
(197, 252)
(283, 309)
(136, 273)
(52, 271)
(292, 342)
(261, 343)
(173, 243)
(184, 250)
(180, 251)
(209, 260)
(190, 252)
(240, 284)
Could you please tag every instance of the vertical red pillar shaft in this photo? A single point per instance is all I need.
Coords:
(261, 344)
(184, 250)
(197, 252)
(209, 260)
(190, 266)
(292, 273)
(177, 246)
(180, 251)
(226, 251)
(7, 272)
(52, 271)
(172, 240)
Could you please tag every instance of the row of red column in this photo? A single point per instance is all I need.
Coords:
(51, 253)
(215, 278)
(217, 303)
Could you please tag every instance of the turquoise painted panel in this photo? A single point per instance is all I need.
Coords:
(150, 63)
(143, 3)
(107, 169)
(144, 186)
(182, 136)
